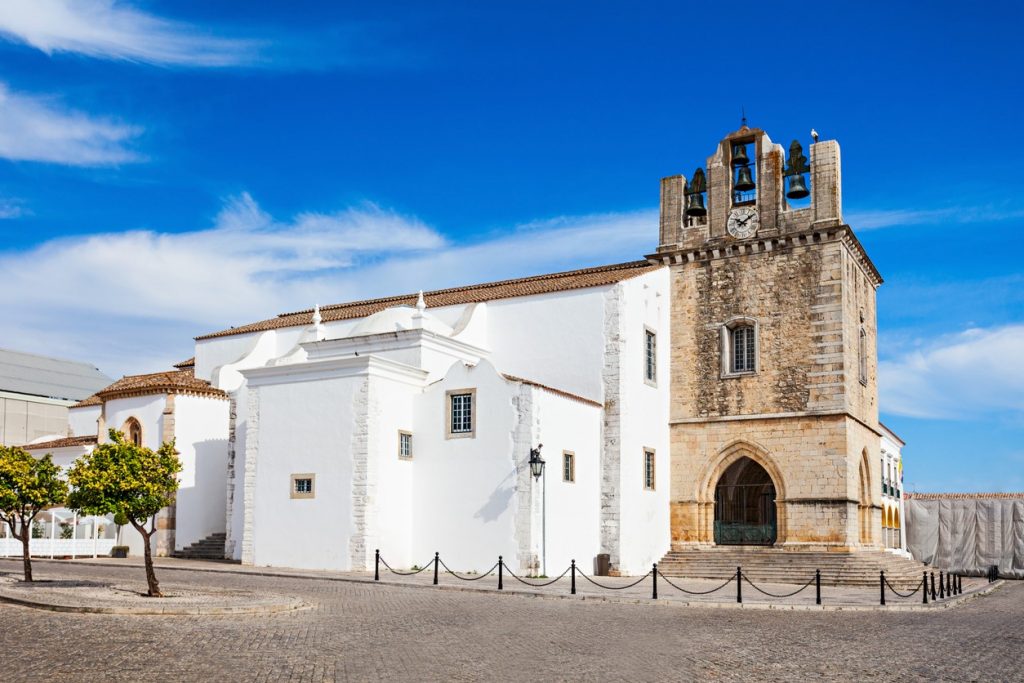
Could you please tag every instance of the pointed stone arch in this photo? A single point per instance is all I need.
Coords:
(132, 430)
(864, 500)
(717, 465)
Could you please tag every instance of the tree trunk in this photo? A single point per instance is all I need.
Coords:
(147, 554)
(26, 557)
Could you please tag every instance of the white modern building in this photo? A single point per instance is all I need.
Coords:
(894, 537)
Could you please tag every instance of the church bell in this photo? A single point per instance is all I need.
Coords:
(797, 187)
(695, 205)
(744, 181)
(739, 156)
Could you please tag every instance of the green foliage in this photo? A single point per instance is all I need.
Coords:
(66, 531)
(120, 519)
(28, 484)
(37, 531)
(124, 479)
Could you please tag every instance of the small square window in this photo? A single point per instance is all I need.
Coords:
(568, 466)
(303, 486)
(404, 444)
(461, 413)
(649, 474)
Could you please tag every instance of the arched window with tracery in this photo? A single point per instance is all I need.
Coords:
(133, 431)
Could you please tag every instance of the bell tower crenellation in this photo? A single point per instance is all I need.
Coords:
(773, 346)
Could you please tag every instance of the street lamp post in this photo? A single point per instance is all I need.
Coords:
(537, 470)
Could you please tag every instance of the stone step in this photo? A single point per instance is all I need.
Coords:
(209, 548)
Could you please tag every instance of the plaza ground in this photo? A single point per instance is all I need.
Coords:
(365, 632)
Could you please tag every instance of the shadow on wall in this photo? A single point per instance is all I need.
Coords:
(499, 500)
(200, 507)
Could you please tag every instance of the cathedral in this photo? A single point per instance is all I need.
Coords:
(719, 391)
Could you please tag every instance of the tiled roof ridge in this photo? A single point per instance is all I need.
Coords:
(62, 442)
(93, 400)
(594, 276)
(962, 496)
(166, 381)
(190, 363)
(481, 285)
(560, 392)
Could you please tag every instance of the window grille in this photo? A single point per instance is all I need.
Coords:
(649, 470)
(404, 445)
(568, 466)
(743, 349)
(651, 356)
(462, 413)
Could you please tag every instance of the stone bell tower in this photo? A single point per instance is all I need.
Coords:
(774, 412)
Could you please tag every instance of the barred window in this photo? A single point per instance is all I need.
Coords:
(744, 351)
(404, 444)
(568, 466)
(460, 413)
(303, 485)
(650, 356)
(649, 473)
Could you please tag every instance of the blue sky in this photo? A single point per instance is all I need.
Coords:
(168, 169)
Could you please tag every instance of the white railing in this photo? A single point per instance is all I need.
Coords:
(58, 547)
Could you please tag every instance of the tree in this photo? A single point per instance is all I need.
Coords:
(124, 479)
(27, 486)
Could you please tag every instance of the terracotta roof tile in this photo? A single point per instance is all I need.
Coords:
(93, 400)
(62, 443)
(171, 382)
(190, 363)
(488, 291)
(559, 392)
(961, 496)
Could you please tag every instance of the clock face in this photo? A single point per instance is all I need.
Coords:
(743, 222)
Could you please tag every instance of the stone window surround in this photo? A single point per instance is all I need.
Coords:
(650, 381)
(401, 435)
(569, 458)
(126, 429)
(296, 494)
(726, 350)
(651, 483)
(448, 433)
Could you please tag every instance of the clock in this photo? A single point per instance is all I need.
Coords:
(743, 222)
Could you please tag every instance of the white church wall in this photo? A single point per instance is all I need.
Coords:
(148, 410)
(304, 427)
(201, 438)
(82, 421)
(464, 489)
(556, 339)
(645, 533)
(573, 508)
(392, 410)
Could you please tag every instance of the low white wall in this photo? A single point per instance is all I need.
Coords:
(59, 547)
(82, 421)
(201, 438)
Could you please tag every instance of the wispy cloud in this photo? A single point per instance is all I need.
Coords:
(131, 302)
(886, 218)
(11, 208)
(115, 30)
(38, 129)
(975, 373)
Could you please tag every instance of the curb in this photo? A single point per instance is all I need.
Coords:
(892, 607)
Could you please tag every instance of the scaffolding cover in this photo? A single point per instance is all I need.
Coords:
(967, 533)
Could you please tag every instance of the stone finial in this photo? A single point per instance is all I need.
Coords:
(421, 306)
(319, 332)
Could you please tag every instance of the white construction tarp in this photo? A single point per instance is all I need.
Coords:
(967, 535)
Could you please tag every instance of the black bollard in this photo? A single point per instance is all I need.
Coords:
(739, 585)
(881, 584)
(817, 586)
(437, 560)
(924, 588)
(949, 585)
(654, 575)
(959, 584)
(501, 566)
(942, 587)
(376, 564)
(572, 589)
(935, 596)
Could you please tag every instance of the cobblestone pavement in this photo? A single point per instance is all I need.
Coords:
(368, 632)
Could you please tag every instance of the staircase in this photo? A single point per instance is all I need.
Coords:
(775, 565)
(210, 548)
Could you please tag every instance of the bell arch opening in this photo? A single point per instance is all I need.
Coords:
(745, 505)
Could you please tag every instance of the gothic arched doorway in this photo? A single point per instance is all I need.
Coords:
(745, 505)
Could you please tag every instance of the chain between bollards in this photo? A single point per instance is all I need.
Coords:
(572, 589)
(376, 564)
(817, 586)
(437, 560)
(739, 584)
